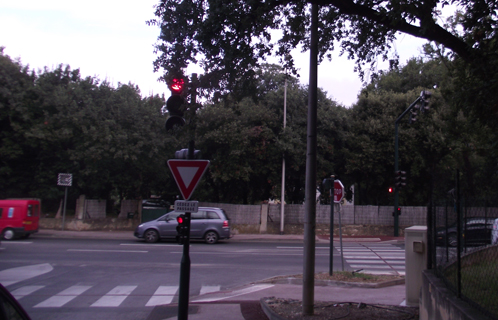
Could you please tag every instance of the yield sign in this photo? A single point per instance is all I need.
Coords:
(187, 174)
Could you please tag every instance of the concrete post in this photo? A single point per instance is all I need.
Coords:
(415, 262)
(263, 227)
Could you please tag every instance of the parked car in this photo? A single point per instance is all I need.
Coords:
(475, 230)
(494, 234)
(209, 224)
(19, 218)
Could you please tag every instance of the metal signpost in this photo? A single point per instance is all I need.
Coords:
(187, 174)
(65, 180)
(338, 195)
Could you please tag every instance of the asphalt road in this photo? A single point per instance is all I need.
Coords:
(122, 279)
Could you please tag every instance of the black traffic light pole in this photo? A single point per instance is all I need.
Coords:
(422, 97)
(185, 263)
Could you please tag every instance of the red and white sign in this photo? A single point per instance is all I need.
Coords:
(338, 191)
(187, 174)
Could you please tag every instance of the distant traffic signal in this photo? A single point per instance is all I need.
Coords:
(424, 103)
(176, 104)
(183, 154)
(400, 179)
(397, 212)
(390, 190)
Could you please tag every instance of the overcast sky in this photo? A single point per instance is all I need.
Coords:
(110, 40)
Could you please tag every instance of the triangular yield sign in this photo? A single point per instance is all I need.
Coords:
(187, 174)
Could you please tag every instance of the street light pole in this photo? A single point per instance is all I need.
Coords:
(282, 192)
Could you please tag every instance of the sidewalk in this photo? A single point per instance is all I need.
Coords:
(244, 303)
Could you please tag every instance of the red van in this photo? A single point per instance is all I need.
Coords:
(18, 218)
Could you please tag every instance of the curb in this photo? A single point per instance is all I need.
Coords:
(268, 311)
(346, 284)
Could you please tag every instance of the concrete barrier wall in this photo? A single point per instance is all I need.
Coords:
(438, 302)
(356, 220)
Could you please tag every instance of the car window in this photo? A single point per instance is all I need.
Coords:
(212, 215)
(225, 213)
(170, 216)
(198, 215)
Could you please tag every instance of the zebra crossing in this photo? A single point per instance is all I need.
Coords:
(381, 259)
(30, 296)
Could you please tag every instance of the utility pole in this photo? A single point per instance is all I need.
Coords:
(310, 188)
(282, 193)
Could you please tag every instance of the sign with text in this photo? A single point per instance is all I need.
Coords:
(65, 179)
(186, 206)
(187, 174)
(338, 191)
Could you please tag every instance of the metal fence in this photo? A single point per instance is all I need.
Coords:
(464, 253)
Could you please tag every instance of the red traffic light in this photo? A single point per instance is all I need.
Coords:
(180, 219)
(390, 190)
(176, 85)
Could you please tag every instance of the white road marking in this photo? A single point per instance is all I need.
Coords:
(24, 291)
(236, 293)
(209, 289)
(95, 250)
(63, 297)
(14, 275)
(163, 295)
(114, 297)
(149, 245)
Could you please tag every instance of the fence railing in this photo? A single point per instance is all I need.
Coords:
(463, 253)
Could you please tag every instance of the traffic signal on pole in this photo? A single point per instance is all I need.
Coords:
(176, 104)
(398, 211)
(183, 154)
(413, 114)
(400, 179)
(424, 103)
(181, 228)
(390, 190)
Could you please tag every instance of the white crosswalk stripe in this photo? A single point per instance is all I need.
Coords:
(163, 295)
(387, 259)
(63, 297)
(25, 291)
(116, 297)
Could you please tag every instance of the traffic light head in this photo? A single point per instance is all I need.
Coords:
(425, 96)
(390, 190)
(181, 228)
(176, 86)
(400, 179)
(180, 219)
(183, 154)
(176, 104)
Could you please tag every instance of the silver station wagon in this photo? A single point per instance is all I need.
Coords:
(209, 224)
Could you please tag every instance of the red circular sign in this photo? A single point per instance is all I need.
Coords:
(338, 191)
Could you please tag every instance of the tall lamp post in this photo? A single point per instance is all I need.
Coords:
(282, 193)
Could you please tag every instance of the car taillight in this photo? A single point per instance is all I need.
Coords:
(225, 224)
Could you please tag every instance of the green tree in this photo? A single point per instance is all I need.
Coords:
(230, 39)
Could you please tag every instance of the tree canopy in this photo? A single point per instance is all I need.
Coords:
(229, 39)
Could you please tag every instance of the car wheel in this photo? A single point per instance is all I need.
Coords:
(452, 240)
(211, 237)
(8, 234)
(151, 236)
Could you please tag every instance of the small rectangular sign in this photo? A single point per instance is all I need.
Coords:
(186, 206)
